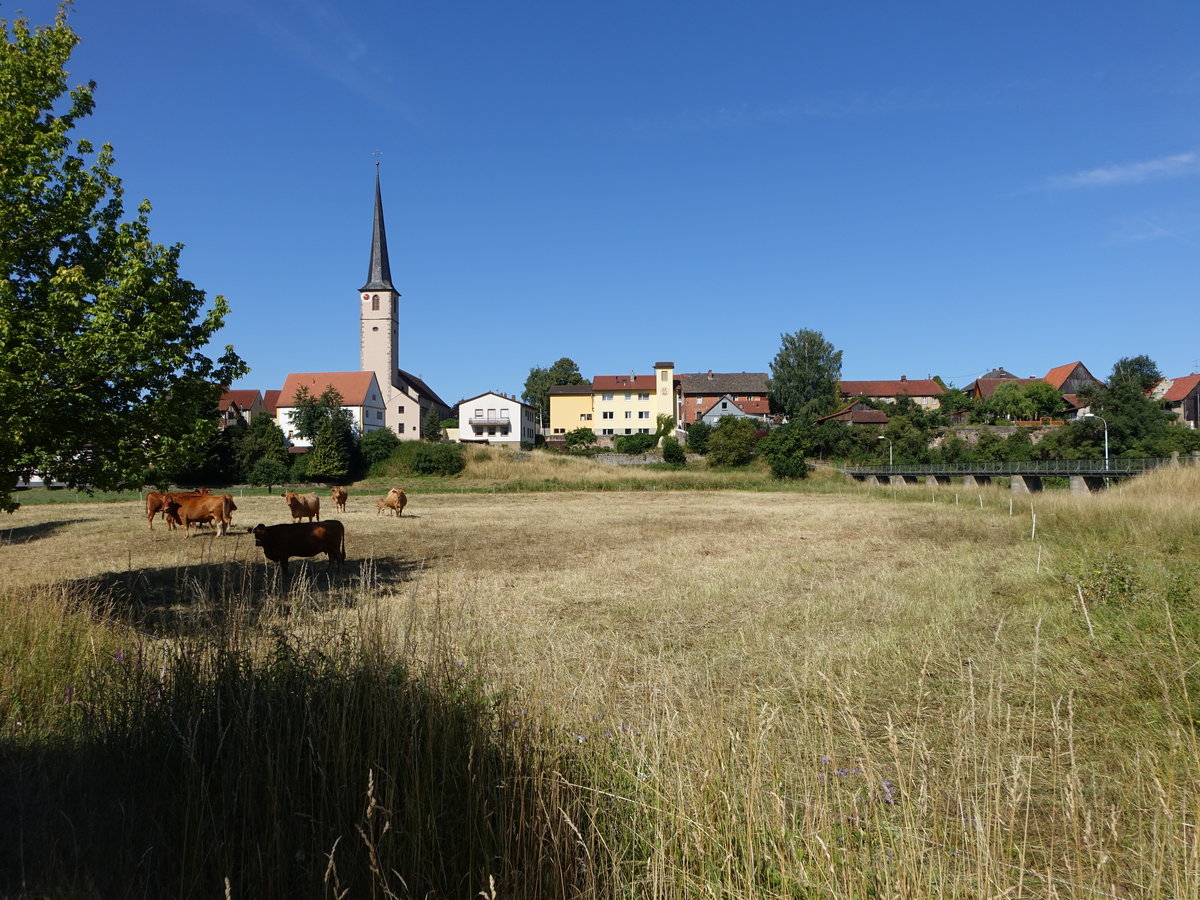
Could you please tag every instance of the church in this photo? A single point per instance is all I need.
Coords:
(406, 398)
(381, 394)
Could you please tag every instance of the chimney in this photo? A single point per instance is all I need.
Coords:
(904, 378)
(710, 378)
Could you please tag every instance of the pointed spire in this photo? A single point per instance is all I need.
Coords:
(379, 275)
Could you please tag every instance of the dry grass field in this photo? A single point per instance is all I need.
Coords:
(746, 693)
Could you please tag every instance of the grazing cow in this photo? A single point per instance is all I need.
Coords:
(339, 497)
(194, 509)
(395, 501)
(303, 506)
(279, 542)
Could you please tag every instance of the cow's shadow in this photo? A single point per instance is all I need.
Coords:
(196, 599)
(27, 534)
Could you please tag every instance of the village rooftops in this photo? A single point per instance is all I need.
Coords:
(916, 387)
(717, 383)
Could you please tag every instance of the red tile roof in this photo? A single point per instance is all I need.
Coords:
(623, 383)
(987, 386)
(1181, 387)
(271, 400)
(916, 387)
(243, 398)
(1057, 376)
(354, 387)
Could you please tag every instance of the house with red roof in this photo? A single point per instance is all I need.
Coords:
(616, 405)
(360, 393)
(923, 391)
(856, 413)
(1069, 378)
(699, 392)
(239, 407)
(1181, 396)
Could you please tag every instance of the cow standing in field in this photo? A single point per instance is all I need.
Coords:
(157, 503)
(395, 501)
(195, 509)
(303, 506)
(280, 542)
(339, 497)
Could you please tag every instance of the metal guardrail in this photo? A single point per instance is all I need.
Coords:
(1115, 466)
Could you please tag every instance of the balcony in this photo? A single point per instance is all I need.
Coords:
(479, 422)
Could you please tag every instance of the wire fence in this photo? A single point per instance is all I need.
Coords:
(1116, 466)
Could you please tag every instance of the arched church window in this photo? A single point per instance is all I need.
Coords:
(375, 303)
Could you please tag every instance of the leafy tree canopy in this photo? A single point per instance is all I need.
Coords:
(310, 411)
(785, 449)
(806, 375)
(101, 370)
(1140, 371)
(540, 380)
(1032, 400)
(732, 442)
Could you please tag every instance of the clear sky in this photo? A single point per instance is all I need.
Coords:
(939, 188)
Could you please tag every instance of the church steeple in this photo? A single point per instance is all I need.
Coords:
(379, 274)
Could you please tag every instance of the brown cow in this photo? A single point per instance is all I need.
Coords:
(303, 506)
(279, 542)
(193, 509)
(157, 503)
(339, 497)
(395, 500)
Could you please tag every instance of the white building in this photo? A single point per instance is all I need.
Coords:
(361, 397)
(493, 418)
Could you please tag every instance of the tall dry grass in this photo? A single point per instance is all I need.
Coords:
(668, 694)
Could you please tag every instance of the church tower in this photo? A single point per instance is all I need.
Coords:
(379, 313)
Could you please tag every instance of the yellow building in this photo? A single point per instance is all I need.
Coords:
(570, 408)
(615, 405)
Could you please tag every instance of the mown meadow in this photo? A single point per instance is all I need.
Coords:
(556, 679)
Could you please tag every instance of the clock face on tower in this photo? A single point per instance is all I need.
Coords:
(366, 296)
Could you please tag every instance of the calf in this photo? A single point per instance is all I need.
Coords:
(279, 542)
(303, 506)
(339, 497)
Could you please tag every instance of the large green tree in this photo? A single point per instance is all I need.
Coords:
(102, 373)
(540, 380)
(806, 375)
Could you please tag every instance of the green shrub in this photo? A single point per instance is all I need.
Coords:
(442, 458)
(634, 443)
(785, 450)
(732, 442)
(267, 473)
(672, 452)
(378, 445)
(698, 434)
(579, 439)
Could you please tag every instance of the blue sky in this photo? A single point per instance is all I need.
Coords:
(939, 188)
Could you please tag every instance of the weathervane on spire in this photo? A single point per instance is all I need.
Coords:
(377, 154)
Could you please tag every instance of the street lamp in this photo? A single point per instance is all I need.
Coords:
(1092, 415)
(890, 446)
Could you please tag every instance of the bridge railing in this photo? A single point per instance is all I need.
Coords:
(1050, 467)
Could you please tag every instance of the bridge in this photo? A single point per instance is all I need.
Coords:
(1026, 475)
